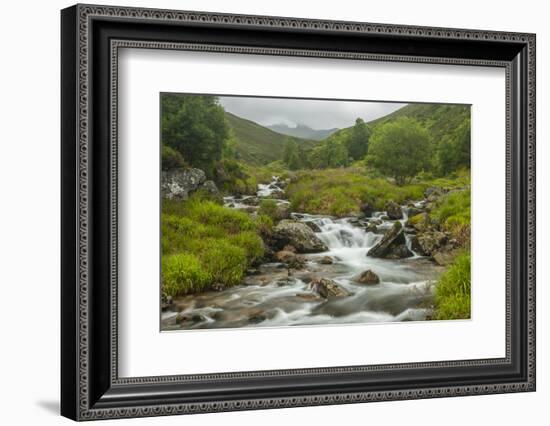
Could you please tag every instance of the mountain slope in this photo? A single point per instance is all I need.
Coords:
(438, 119)
(302, 131)
(258, 145)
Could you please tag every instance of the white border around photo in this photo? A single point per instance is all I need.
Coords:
(145, 351)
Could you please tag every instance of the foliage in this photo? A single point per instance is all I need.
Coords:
(453, 209)
(340, 192)
(232, 177)
(330, 153)
(453, 151)
(358, 141)
(400, 149)
(171, 159)
(204, 243)
(293, 155)
(183, 273)
(453, 290)
(195, 126)
(268, 208)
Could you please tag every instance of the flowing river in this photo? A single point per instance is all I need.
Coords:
(274, 296)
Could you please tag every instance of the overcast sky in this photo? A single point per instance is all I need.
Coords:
(317, 114)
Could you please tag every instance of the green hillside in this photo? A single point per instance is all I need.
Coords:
(258, 145)
(439, 119)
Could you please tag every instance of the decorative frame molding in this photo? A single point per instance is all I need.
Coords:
(87, 397)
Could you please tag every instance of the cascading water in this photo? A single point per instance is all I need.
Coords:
(273, 297)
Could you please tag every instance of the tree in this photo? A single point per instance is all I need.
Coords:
(293, 154)
(331, 153)
(400, 149)
(358, 142)
(454, 149)
(194, 126)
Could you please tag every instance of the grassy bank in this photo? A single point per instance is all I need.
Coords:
(204, 243)
(453, 290)
(340, 192)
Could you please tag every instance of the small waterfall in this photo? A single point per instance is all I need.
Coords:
(265, 190)
(341, 234)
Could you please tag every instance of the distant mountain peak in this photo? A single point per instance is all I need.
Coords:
(302, 131)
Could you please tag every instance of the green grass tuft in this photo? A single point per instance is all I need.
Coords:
(453, 290)
(204, 243)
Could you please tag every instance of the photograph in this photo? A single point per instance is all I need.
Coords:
(283, 212)
(265, 209)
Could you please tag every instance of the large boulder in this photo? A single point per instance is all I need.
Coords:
(393, 210)
(298, 235)
(393, 244)
(427, 243)
(178, 183)
(328, 289)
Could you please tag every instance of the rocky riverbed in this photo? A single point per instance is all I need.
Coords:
(373, 267)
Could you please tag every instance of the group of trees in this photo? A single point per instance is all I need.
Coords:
(400, 147)
(193, 131)
(338, 150)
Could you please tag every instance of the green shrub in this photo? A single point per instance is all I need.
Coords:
(224, 262)
(250, 243)
(453, 209)
(264, 224)
(452, 291)
(232, 177)
(204, 243)
(183, 273)
(268, 208)
(171, 159)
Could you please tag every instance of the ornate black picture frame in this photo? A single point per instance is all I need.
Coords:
(91, 36)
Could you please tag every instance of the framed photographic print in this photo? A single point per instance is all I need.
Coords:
(263, 212)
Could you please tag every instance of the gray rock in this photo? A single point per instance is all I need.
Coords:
(314, 227)
(251, 201)
(325, 260)
(393, 210)
(367, 277)
(290, 258)
(366, 209)
(427, 243)
(189, 318)
(210, 187)
(178, 183)
(370, 227)
(328, 289)
(393, 244)
(298, 235)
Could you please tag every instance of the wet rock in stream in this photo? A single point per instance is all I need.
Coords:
(328, 288)
(393, 210)
(393, 244)
(367, 277)
(298, 235)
